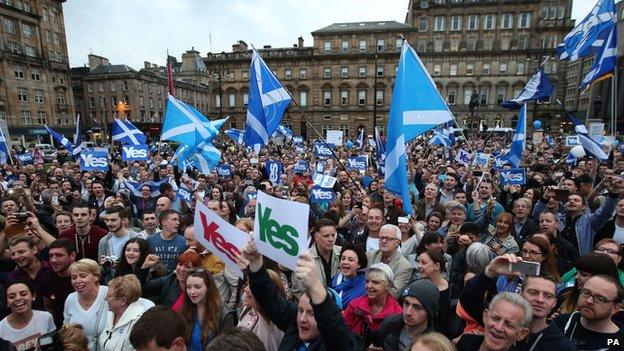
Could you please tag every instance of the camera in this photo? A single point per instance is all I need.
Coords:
(21, 216)
(109, 261)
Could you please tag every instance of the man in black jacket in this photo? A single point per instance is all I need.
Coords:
(316, 323)
(540, 292)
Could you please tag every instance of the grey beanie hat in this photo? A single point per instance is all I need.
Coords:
(428, 295)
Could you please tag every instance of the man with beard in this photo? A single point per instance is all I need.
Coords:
(168, 245)
(591, 326)
(62, 255)
(111, 245)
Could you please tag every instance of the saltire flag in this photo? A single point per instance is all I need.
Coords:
(217, 124)
(604, 64)
(518, 143)
(283, 130)
(135, 187)
(589, 35)
(360, 139)
(591, 147)
(77, 139)
(4, 148)
(61, 139)
(380, 152)
(439, 138)
(268, 100)
(236, 135)
(205, 156)
(549, 140)
(182, 156)
(537, 88)
(416, 108)
(126, 133)
(571, 160)
(181, 121)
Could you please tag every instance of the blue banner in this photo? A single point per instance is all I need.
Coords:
(185, 194)
(274, 170)
(224, 170)
(514, 176)
(322, 150)
(25, 158)
(301, 167)
(134, 152)
(358, 163)
(298, 139)
(318, 194)
(94, 160)
(320, 166)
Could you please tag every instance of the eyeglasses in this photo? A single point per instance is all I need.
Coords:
(386, 238)
(607, 251)
(600, 300)
(530, 253)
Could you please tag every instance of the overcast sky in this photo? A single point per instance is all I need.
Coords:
(135, 31)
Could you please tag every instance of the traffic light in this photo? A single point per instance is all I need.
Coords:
(122, 109)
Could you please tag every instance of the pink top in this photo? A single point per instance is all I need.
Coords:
(177, 305)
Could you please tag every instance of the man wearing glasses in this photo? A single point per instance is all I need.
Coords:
(388, 253)
(591, 327)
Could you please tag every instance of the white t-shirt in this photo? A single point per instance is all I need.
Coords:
(372, 244)
(28, 337)
(74, 313)
(618, 234)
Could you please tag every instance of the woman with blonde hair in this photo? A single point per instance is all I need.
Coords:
(432, 342)
(72, 338)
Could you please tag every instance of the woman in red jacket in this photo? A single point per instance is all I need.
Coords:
(365, 314)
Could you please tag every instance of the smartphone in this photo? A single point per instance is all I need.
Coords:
(477, 173)
(403, 220)
(562, 194)
(358, 204)
(526, 267)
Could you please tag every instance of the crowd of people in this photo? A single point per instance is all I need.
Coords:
(91, 263)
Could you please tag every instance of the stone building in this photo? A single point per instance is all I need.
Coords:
(100, 86)
(34, 71)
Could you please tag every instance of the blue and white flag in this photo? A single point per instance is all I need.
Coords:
(285, 131)
(268, 99)
(134, 152)
(482, 159)
(380, 153)
(514, 176)
(181, 122)
(185, 194)
(126, 133)
(589, 35)
(318, 194)
(358, 163)
(549, 140)
(518, 144)
(77, 139)
(236, 135)
(500, 161)
(61, 139)
(274, 171)
(319, 167)
(360, 139)
(416, 108)
(205, 155)
(322, 150)
(182, 155)
(463, 157)
(604, 64)
(323, 180)
(135, 187)
(590, 145)
(537, 88)
(4, 148)
(439, 138)
(26, 158)
(298, 139)
(301, 167)
(94, 160)
(224, 170)
(571, 160)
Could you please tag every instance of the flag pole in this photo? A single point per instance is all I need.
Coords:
(613, 101)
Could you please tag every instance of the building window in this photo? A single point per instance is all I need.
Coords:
(379, 97)
(141, 101)
(506, 21)
(522, 42)
(344, 72)
(8, 25)
(26, 119)
(467, 95)
(30, 51)
(303, 98)
(469, 69)
(362, 46)
(327, 73)
(381, 45)
(303, 73)
(245, 99)
(362, 72)
(438, 44)
(114, 101)
(473, 22)
(437, 69)
(28, 31)
(520, 68)
(113, 86)
(14, 47)
(102, 102)
(453, 71)
(19, 71)
(380, 71)
(501, 95)
(438, 24)
(344, 46)
(22, 94)
(398, 44)
(288, 74)
(60, 97)
(245, 74)
(101, 87)
(35, 74)
(361, 97)
(488, 43)
(471, 43)
(422, 45)
(232, 100)
(327, 47)
(452, 96)
(56, 38)
(487, 68)
(42, 118)
(488, 21)
(344, 97)
(456, 22)
(484, 96)
(217, 100)
(125, 85)
(422, 24)
(504, 43)
(502, 70)
(326, 97)
(91, 102)
(454, 45)
(524, 20)
(39, 98)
